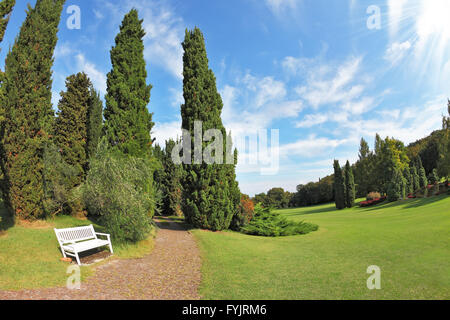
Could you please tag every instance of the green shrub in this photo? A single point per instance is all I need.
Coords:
(269, 224)
(119, 190)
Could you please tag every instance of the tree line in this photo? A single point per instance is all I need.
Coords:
(391, 169)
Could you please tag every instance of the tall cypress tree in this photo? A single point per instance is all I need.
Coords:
(127, 120)
(210, 197)
(94, 122)
(349, 186)
(423, 179)
(29, 113)
(71, 123)
(339, 186)
(6, 7)
(415, 178)
(408, 180)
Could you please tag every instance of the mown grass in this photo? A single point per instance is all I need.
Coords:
(30, 256)
(409, 241)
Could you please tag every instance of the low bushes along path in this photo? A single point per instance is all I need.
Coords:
(170, 272)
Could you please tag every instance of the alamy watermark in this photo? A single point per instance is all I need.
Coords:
(374, 281)
(254, 148)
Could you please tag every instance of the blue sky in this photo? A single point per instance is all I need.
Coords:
(313, 69)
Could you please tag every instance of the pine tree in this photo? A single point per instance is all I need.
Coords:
(29, 113)
(423, 180)
(395, 186)
(71, 124)
(362, 169)
(409, 182)
(433, 177)
(172, 179)
(339, 186)
(415, 179)
(349, 186)
(210, 190)
(128, 122)
(94, 123)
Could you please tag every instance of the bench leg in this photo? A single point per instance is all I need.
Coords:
(78, 258)
(110, 247)
(64, 254)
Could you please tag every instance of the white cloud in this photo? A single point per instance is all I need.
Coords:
(312, 120)
(311, 147)
(97, 77)
(320, 89)
(163, 131)
(164, 31)
(280, 6)
(397, 51)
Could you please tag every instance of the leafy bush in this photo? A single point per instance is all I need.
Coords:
(59, 181)
(245, 213)
(119, 190)
(269, 224)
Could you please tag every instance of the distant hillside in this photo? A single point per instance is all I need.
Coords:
(428, 150)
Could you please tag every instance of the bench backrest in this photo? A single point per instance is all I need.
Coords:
(75, 234)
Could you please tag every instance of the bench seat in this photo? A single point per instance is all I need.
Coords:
(85, 245)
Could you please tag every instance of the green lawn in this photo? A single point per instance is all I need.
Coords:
(409, 241)
(29, 255)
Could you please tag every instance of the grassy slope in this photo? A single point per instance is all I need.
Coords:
(29, 256)
(409, 241)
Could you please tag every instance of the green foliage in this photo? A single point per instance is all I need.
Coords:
(94, 122)
(409, 181)
(415, 178)
(60, 178)
(350, 191)
(127, 121)
(339, 186)
(433, 177)
(444, 146)
(29, 115)
(6, 7)
(269, 224)
(395, 189)
(314, 193)
(423, 180)
(168, 178)
(275, 198)
(71, 123)
(119, 191)
(210, 191)
(244, 215)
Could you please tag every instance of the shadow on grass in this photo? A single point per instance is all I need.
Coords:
(408, 204)
(171, 223)
(311, 210)
(6, 219)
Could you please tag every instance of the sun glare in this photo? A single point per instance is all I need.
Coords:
(433, 19)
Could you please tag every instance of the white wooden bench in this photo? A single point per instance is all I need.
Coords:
(76, 240)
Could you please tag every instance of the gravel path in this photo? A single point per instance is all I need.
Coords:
(170, 272)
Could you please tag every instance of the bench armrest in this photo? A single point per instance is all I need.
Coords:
(103, 234)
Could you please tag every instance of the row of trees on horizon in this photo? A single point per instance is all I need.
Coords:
(391, 168)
